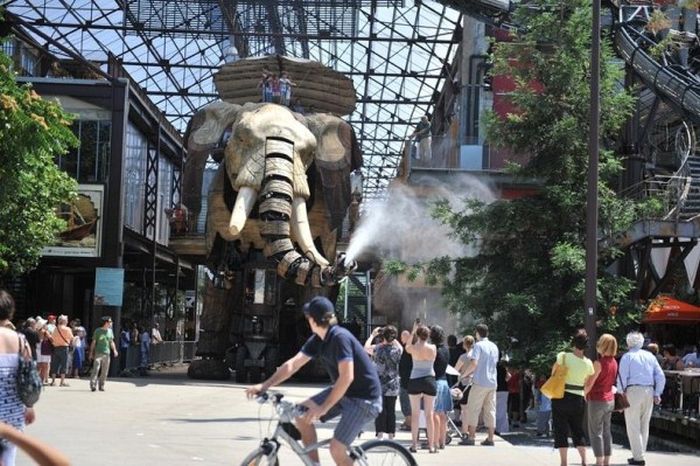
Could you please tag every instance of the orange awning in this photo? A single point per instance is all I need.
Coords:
(667, 310)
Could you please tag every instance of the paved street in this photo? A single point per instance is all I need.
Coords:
(167, 419)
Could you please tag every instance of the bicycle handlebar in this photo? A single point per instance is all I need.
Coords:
(269, 396)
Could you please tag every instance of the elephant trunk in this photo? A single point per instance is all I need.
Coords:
(277, 208)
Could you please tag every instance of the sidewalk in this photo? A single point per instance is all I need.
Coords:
(167, 419)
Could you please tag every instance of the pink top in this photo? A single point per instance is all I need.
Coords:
(602, 387)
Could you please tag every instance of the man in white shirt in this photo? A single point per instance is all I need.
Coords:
(482, 397)
(155, 335)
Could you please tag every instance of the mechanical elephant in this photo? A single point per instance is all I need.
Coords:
(280, 195)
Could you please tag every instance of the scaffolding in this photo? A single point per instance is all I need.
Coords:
(398, 53)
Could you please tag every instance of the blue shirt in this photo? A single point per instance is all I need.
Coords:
(692, 359)
(124, 339)
(340, 345)
(640, 367)
(486, 355)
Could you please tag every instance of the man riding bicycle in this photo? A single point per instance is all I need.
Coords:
(356, 394)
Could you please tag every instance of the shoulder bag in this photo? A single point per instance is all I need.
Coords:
(621, 401)
(553, 388)
(28, 380)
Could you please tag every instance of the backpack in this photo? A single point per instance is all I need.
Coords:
(28, 380)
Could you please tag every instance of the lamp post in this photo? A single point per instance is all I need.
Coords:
(592, 193)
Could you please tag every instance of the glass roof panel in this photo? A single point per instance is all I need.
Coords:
(397, 52)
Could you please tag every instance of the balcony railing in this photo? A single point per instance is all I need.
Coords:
(445, 152)
(671, 191)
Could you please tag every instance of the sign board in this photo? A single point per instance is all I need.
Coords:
(83, 234)
(109, 286)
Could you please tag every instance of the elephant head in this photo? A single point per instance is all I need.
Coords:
(266, 159)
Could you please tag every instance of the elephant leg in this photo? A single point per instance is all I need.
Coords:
(213, 335)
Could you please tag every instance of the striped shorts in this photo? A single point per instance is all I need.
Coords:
(354, 414)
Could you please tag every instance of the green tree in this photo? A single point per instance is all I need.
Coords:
(527, 279)
(33, 133)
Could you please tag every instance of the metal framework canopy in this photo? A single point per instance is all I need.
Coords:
(397, 52)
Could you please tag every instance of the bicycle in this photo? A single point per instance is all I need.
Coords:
(372, 452)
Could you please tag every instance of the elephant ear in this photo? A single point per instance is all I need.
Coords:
(203, 136)
(337, 155)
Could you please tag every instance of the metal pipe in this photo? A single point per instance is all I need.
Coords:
(368, 287)
(592, 193)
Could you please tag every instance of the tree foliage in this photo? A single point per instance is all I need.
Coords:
(33, 133)
(527, 279)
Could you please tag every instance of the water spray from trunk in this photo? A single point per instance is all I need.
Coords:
(402, 225)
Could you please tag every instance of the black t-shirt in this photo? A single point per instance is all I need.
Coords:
(442, 358)
(501, 373)
(32, 339)
(339, 345)
(405, 367)
(455, 353)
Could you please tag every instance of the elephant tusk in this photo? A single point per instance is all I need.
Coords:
(244, 205)
(302, 232)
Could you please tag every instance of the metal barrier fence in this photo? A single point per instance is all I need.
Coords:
(167, 352)
(682, 393)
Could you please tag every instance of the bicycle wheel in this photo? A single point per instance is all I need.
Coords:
(385, 453)
(259, 458)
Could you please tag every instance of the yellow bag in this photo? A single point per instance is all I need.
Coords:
(553, 388)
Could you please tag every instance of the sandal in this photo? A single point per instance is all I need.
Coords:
(433, 450)
(64, 385)
(413, 449)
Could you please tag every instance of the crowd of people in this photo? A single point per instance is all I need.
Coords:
(14, 413)
(62, 350)
(430, 374)
(58, 345)
(416, 370)
(496, 393)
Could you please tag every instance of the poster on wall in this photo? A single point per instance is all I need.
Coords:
(82, 236)
(109, 286)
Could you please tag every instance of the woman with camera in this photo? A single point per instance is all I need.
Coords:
(386, 354)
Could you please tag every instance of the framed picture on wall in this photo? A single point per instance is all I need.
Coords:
(82, 236)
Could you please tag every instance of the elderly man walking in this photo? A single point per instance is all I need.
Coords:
(641, 378)
(482, 397)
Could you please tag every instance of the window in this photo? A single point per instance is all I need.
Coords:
(165, 198)
(134, 178)
(28, 62)
(88, 163)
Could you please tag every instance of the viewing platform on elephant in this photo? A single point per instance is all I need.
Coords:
(311, 86)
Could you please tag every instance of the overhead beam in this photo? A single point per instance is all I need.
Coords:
(223, 34)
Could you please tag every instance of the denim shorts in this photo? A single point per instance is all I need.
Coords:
(354, 414)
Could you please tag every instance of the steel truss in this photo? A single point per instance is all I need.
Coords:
(398, 53)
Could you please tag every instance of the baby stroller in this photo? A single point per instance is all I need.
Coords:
(452, 429)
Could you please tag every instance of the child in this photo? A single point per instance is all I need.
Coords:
(544, 410)
(286, 89)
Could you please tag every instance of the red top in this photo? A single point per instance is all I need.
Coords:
(602, 388)
(514, 383)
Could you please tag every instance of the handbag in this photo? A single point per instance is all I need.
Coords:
(28, 380)
(553, 388)
(621, 401)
